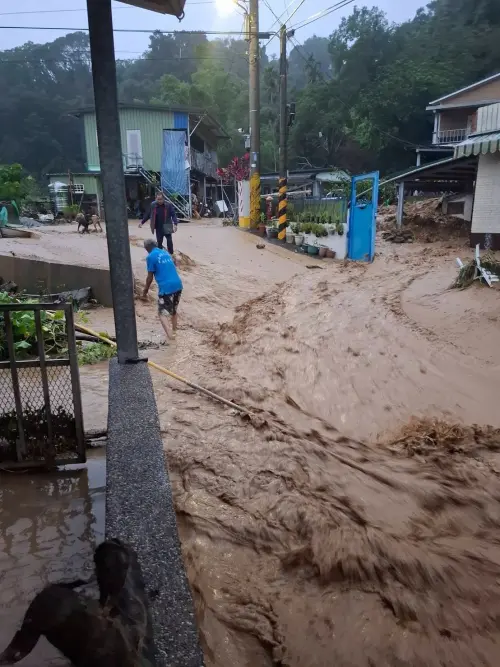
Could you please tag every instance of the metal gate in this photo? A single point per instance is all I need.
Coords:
(363, 217)
(41, 422)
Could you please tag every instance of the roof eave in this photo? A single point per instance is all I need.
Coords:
(466, 89)
(171, 7)
(463, 105)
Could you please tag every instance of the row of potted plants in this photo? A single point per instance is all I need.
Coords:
(300, 234)
(317, 229)
(319, 217)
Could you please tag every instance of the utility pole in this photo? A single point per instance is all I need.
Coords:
(113, 181)
(283, 153)
(254, 80)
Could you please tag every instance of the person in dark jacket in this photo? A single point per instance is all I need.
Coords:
(163, 221)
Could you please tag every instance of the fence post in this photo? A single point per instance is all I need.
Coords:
(50, 455)
(75, 380)
(21, 442)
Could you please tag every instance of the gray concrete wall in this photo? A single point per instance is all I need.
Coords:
(35, 275)
(140, 511)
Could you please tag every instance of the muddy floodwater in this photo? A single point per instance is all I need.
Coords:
(49, 527)
(353, 519)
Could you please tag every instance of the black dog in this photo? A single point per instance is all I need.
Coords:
(86, 638)
(123, 592)
(117, 634)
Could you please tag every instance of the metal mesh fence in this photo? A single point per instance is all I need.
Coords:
(40, 402)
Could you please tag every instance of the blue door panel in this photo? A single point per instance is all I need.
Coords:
(363, 219)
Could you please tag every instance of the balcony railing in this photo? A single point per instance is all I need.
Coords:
(204, 162)
(132, 161)
(450, 136)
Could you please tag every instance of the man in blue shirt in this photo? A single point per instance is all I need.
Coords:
(161, 266)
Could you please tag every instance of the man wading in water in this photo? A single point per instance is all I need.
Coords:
(163, 221)
(162, 267)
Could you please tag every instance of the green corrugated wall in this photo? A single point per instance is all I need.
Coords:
(150, 123)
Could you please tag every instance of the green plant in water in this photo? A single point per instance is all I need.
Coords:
(93, 353)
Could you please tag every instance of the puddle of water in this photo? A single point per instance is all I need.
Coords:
(50, 525)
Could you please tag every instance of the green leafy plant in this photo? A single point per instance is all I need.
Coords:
(13, 185)
(263, 218)
(93, 353)
(319, 230)
(71, 210)
(307, 227)
(24, 331)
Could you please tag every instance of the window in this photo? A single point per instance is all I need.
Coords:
(134, 148)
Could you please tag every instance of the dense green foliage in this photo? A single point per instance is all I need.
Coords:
(24, 331)
(361, 93)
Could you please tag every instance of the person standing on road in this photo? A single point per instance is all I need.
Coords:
(161, 266)
(4, 216)
(163, 221)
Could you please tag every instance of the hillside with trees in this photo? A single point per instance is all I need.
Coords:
(361, 93)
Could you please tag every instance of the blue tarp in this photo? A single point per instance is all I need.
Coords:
(174, 176)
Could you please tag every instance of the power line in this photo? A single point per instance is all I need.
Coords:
(322, 14)
(63, 61)
(84, 9)
(279, 19)
(127, 30)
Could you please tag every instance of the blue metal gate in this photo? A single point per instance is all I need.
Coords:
(363, 217)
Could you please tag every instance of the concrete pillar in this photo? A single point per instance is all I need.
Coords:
(401, 203)
(113, 181)
(244, 204)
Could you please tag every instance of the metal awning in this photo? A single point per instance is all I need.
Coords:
(455, 174)
(480, 144)
(173, 7)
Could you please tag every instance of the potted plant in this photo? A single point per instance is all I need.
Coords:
(272, 230)
(262, 225)
(340, 228)
(313, 248)
(290, 232)
(298, 237)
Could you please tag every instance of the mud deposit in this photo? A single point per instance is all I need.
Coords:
(49, 527)
(321, 534)
(354, 520)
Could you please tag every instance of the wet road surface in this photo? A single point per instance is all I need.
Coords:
(49, 527)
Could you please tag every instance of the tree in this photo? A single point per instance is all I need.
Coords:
(361, 93)
(13, 184)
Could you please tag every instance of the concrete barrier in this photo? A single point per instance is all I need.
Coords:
(34, 276)
(140, 511)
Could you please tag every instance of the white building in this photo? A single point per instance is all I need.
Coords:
(485, 143)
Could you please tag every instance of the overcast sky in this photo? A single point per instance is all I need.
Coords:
(200, 15)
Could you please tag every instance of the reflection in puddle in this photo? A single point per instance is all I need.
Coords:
(49, 527)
